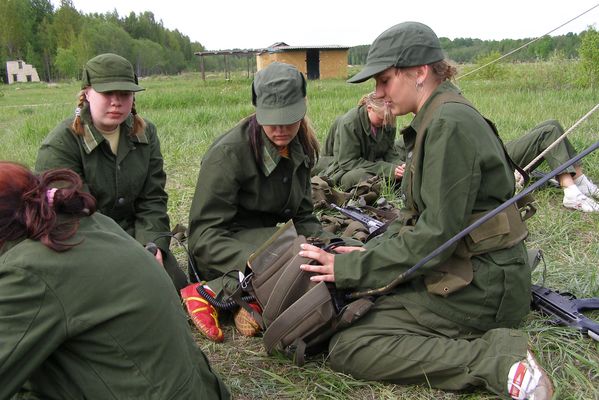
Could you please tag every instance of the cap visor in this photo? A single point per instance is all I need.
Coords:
(117, 86)
(283, 115)
(368, 72)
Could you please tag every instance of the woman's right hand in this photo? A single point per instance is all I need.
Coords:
(399, 170)
(325, 266)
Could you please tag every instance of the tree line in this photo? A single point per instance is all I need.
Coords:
(59, 41)
(467, 50)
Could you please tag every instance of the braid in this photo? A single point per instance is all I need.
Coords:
(139, 125)
(77, 125)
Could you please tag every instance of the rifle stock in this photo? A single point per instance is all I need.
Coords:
(566, 309)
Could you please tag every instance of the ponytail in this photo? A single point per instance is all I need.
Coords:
(139, 125)
(444, 70)
(29, 205)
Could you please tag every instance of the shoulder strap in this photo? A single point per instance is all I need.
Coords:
(442, 98)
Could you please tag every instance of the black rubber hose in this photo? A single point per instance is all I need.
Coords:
(222, 305)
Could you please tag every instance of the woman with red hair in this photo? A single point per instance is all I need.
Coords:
(75, 321)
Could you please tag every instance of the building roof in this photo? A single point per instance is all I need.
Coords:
(281, 46)
(273, 48)
(228, 52)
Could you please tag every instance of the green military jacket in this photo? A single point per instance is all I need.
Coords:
(234, 195)
(355, 146)
(463, 170)
(128, 187)
(98, 321)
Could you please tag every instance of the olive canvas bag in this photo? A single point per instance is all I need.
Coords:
(299, 316)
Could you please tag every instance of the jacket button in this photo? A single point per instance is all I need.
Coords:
(287, 212)
(285, 179)
(121, 201)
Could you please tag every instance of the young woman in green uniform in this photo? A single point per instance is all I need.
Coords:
(450, 325)
(117, 154)
(86, 312)
(360, 145)
(253, 177)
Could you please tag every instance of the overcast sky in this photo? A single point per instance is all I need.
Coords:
(227, 24)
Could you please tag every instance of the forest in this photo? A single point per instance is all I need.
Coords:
(58, 41)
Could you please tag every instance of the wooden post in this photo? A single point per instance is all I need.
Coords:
(202, 68)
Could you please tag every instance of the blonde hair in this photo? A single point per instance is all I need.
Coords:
(139, 125)
(378, 106)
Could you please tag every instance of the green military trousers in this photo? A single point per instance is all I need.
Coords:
(395, 345)
(346, 180)
(526, 148)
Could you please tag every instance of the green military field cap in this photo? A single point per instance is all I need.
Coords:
(407, 44)
(109, 72)
(279, 94)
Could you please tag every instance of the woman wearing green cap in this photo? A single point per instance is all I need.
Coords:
(86, 313)
(450, 325)
(252, 178)
(117, 154)
(361, 144)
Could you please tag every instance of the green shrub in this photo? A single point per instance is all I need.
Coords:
(489, 71)
(589, 57)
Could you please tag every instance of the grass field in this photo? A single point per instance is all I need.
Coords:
(189, 113)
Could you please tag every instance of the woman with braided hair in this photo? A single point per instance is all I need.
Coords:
(117, 154)
(75, 321)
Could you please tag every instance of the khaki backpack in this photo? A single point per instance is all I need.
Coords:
(299, 316)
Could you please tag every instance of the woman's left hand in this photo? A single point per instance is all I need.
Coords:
(399, 171)
(325, 267)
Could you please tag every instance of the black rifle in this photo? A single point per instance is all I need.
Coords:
(566, 308)
(374, 226)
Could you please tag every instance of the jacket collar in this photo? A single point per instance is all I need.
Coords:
(271, 156)
(92, 137)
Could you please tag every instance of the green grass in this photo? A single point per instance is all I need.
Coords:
(189, 113)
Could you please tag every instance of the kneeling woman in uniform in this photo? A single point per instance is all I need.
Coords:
(76, 322)
(252, 178)
(361, 144)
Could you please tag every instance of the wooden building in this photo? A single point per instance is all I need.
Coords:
(316, 62)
